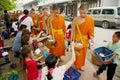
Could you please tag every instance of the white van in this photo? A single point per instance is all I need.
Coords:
(106, 16)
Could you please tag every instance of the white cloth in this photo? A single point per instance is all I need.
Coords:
(5, 54)
(27, 21)
(14, 26)
(37, 51)
(58, 73)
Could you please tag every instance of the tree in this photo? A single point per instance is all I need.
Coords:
(7, 4)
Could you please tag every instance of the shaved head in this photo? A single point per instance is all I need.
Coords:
(83, 7)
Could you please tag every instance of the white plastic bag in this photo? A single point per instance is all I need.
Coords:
(5, 54)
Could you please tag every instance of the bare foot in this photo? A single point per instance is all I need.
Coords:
(95, 75)
(81, 69)
(61, 60)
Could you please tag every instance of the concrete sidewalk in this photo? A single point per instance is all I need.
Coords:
(89, 69)
(88, 73)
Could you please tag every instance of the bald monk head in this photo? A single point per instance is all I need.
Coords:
(56, 10)
(45, 11)
(32, 12)
(40, 10)
(83, 9)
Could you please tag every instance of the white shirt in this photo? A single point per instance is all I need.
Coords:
(58, 73)
(27, 21)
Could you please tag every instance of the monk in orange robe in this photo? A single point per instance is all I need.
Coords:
(11, 16)
(48, 20)
(59, 30)
(17, 14)
(51, 12)
(42, 21)
(86, 27)
(34, 18)
(45, 18)
(40, 17)
(14, 15)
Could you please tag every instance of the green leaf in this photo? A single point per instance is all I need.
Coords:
(7, 4)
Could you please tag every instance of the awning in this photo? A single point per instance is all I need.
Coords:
(29, 2)
(61, 1)
(48, 2)
(45, 2)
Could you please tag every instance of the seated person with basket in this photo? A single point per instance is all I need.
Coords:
(33, 42)
(115, 47)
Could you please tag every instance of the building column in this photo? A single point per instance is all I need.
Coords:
(78, 5)
(99, 3)
(118, 2)
(75, 9)
(65, 8)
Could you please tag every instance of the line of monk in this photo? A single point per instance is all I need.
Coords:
(42, 21)
(14, 15)
(55, 22)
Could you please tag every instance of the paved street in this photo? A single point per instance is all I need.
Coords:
(103, 35)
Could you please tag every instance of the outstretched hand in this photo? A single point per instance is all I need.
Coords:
(91, 41)
(41, 32)
(49, 37)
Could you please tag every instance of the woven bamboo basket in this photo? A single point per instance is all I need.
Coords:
(77, 48)
(95, 60)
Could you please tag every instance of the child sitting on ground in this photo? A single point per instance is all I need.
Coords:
(51, 71)
(31, 64)
(114, 46)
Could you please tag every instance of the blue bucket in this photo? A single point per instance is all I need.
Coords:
(107, 52)
(71, 74)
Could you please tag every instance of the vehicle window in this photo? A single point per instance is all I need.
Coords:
(108, 11)
(97, 11)
(118, 11)
(89, 11)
